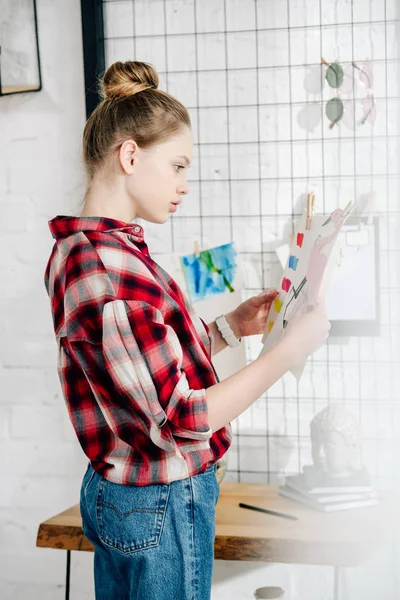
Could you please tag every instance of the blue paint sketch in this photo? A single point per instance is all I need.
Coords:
(212, 273)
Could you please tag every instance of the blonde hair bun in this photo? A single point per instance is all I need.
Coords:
(123, 79)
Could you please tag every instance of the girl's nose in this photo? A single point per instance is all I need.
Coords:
(183, 189)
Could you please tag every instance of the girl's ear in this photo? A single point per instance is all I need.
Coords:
(128, 155)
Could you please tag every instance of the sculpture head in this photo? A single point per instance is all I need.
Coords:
(335, 440)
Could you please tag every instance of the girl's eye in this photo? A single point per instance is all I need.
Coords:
(177, 167)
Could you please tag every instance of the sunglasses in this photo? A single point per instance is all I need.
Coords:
(337, 78)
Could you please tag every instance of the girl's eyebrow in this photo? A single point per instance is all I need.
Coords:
(185, 158)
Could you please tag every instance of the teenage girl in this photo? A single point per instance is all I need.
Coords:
(134, 359)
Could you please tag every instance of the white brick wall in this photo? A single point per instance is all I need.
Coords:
(40, 176)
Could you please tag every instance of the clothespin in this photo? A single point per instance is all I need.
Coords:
(347, 211)
(196, 249)
(310, 209)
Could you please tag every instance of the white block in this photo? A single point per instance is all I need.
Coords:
(38, 351)
(22, 386)
(32, 422)
(41, 458)
(5, 414)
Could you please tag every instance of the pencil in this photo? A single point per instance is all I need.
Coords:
(268, 512)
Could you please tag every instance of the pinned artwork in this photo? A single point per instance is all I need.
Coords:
(306, 274)
(212, 280)
(211, 272)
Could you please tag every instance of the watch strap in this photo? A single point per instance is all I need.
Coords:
(226, 331)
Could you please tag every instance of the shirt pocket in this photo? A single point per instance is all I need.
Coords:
(131, 518)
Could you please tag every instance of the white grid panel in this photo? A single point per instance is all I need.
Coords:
(249, 72)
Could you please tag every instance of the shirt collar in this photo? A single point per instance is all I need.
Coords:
(62, 226)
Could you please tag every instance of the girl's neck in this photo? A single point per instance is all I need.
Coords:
(105, 198)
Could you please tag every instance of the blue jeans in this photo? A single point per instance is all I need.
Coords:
(153, 542)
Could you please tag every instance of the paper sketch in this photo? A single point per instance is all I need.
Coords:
(309, 287)
(211, 273)
(305, 273)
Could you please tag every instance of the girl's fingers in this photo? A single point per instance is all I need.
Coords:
(268, 292)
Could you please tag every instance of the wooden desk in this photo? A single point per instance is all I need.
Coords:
(343, 539)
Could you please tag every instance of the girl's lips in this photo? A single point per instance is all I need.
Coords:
(174, 207)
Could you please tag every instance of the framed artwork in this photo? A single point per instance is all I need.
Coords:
(19, 48)
(353, 300)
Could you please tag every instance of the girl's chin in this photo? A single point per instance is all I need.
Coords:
(158, 219)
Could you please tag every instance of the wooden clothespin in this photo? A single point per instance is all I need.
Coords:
(347, 211)
(196, 249)
(310, 209)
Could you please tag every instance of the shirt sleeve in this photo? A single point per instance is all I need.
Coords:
(143, 356)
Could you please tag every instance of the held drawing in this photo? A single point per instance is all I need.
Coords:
(309, 286)
(303, 276)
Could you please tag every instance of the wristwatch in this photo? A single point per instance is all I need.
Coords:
(226, 332)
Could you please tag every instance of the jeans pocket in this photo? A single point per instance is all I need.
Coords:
(131, 518)
(218, 487)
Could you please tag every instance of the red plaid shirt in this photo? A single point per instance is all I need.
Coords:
(134, 359)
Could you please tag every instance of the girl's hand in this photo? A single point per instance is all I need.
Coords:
(250, 317)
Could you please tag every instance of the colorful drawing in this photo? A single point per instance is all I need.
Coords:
(212, 272)
(307, 265)
(278, 305)
(316, 267)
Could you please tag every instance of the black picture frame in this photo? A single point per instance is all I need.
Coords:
(20, 70)
(93, 50)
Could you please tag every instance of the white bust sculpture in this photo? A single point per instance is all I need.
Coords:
(335, 440)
